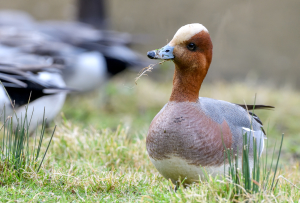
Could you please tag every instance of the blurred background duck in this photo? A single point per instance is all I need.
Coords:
(45, 55)
(33, 84)
(90, 56)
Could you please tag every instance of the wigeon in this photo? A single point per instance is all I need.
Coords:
(29, 76)
(97, 54)
(185, 137)
(90, 56)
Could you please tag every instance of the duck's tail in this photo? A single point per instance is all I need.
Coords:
(252, 107)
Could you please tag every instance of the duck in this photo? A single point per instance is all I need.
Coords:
(98, 54)
(90, 56)
(190, 133)
(33, 86)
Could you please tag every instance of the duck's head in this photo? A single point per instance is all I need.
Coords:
(191, 47)
(191, 51)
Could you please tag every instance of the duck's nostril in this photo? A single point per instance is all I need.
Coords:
(167, 50)
(151, 54)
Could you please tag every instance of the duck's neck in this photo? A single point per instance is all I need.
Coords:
(187, 83)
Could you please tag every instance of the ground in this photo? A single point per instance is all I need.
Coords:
(98, 152)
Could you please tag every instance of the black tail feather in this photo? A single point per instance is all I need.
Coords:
(251, 107)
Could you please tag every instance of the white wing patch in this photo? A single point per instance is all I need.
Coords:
(259, 138)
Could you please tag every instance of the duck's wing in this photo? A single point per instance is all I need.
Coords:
(111, 44)
(237, 114)
(21, 77)
(32, 40)
(239, 120)
(23, 88)
(51, 48)
(29, 62)
(8, 80)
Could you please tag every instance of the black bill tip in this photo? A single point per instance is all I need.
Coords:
(151, 54)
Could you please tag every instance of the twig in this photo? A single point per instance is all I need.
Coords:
(146, 69)
(288, 181)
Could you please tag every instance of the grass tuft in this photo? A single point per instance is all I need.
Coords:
(253, 176)
(16, 151)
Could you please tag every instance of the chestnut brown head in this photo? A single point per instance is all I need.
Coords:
(190, 48)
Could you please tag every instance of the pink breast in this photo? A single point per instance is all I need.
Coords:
(183, 130)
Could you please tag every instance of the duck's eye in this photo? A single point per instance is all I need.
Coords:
(191, 46)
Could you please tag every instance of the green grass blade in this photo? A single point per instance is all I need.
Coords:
(46, 149)
(41, 137)
(277, 161)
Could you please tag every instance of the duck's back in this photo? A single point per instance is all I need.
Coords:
(192, 132)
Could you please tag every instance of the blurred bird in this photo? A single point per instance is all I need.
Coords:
(90, 56)
(39, 59)
(31, 81)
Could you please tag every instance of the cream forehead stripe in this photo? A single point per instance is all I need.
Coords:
(186, 32)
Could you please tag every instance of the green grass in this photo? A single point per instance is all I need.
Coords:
(98, 152)
(245, 179)
(105, 165)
